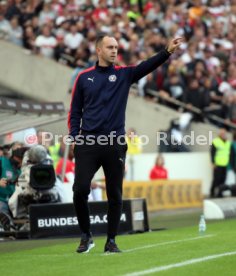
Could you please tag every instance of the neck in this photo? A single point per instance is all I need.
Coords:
(104, 63)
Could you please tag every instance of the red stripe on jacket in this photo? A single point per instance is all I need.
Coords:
(73, 92)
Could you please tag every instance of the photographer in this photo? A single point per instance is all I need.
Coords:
(37, 183)
(9, 173)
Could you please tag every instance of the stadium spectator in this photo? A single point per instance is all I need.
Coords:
(15, 32)
(134, 143)
(134, 146)
(69, 165)
(208, 27)
(47, 15)
(55, 152)
(73, 39)
(14, 8)
(221, 154)
(4, 27)
(80, 66)
(46, 43)
(173, 87)
(196, 96)
(29, 38)
(159, 171)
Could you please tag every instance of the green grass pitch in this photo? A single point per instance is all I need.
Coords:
(179, 251)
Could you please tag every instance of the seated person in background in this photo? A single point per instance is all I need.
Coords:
(158, 171)
(37, 182)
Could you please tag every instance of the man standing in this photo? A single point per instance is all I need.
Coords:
(220, 158)
(97, 114)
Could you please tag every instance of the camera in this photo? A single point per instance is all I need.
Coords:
(42, 176)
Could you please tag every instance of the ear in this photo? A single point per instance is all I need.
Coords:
(98, 50)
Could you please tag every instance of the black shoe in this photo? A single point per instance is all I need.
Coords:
(7, 222)
(86, 243)
(111, 247)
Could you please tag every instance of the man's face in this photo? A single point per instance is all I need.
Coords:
(107, 51)
(18, 161)
(223, 134)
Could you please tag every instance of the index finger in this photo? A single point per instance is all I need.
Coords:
(178, 39)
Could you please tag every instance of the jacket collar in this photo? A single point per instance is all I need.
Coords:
(104, 68)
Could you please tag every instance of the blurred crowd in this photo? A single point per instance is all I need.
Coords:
(202, 74)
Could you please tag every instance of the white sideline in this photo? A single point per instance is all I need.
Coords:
(188, 262)
(165, 243)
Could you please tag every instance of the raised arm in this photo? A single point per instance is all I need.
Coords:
(155, 61)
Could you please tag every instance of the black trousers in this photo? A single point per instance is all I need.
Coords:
(88, 159)
(219, 177)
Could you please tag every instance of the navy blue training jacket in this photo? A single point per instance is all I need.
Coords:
(100, 95)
